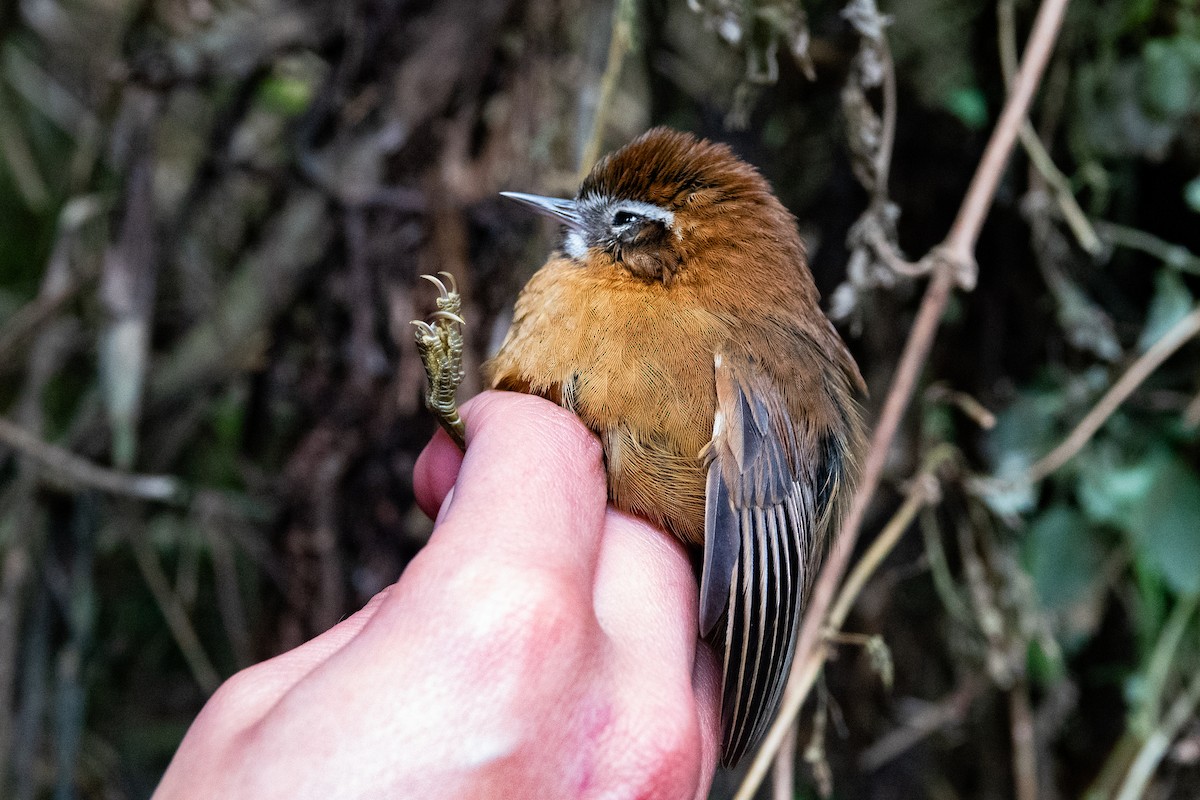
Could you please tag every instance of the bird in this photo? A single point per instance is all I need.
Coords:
(678, 320)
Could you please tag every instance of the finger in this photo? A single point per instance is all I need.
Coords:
(435, 472)
(531, 489)
(293, 665)
(251, 693)
(646, 593)
(706, 688)
(646, 600)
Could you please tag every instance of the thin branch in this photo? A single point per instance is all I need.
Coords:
(30, 317)
(1191, 414)
(1138, 371)
(1155, 747)
(887, 129)
(1024, 750)
(79, 473)
(1076, 220)
(1158, 668)
(964, 233)
(784, 778)
(176, 616)
(939, 569)
(968, 405)
(618, 47)
(937, 716)
(952, 259)
(1173, 255)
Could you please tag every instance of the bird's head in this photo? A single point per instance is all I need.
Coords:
(662, 201)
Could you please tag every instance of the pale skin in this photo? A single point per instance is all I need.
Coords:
(542, 644)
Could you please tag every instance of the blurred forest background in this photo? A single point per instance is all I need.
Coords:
(213, 214)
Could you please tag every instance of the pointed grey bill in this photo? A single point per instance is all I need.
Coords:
(563, 211)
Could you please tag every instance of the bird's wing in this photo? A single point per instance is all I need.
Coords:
(767, 483)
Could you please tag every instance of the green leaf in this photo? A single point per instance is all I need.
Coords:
(1044, 668)
(285, 94)
(1112, 116)
(1171, 302)
(1024, 431)
(1191, 194)
(1062, 556)
(1110, 487)
(1169, 80)
(968, 104)
(1166, 526)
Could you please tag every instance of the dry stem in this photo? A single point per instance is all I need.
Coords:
(1024, 750)
(1156, 744)
(79, 473)
(1138, 371)
(173, 611)
(964, 233)
(618, 47)
(1078, 222)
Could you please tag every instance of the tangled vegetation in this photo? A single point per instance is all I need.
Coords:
(213, 214)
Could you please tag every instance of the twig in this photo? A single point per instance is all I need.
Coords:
(1024, 755)
(172, 610)
(34, 693)
(951, 256)
(978, 413)
(79, 473)
(229, 595)
(984, 593)
(814, 752)
(960, 242)
(1173, 255)
(932, 718)
(618, 46)
(784, 778)
(939, 569)
(1145, 723)
(887, 129)
(1138, 371)
(79, 601)
(1191, 414)
(1156, 744)
(1078, 222)
(1158, 668)
(61, 281)
(30, 317)
(26, 520)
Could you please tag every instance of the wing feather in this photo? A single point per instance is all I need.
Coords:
(760, 536)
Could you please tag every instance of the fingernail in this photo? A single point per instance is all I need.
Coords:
(446, 503)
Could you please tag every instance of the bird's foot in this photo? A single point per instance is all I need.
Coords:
(440, 343)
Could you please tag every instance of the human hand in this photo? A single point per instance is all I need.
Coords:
(541, 645)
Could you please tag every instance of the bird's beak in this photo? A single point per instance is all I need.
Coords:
(563, 211)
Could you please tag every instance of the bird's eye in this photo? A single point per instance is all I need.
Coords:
(622, 218)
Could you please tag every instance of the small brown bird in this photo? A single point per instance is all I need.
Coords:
(680, 322)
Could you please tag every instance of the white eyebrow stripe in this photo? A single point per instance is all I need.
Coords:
(648, 210)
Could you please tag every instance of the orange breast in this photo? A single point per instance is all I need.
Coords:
(635, 362)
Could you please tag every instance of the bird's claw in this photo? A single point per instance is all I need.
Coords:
(439, 340)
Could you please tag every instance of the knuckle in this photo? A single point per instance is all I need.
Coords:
(519, 608)
(238, 703)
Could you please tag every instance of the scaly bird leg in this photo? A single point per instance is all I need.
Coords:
(440, 343)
